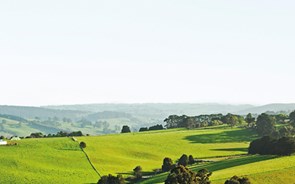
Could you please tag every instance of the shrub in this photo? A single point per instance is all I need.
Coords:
(181, 174)
(138, 172)
(156, 127)
(111, 179)
(237, 180)
(125, 129)
(269, 146)
(143, 129)
(203, 176)
(82, 145)
(183, 160)
(167, 164)
(191, 160)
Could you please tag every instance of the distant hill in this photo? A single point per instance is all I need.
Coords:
(276, 107)
(40, 112)
(157, 110)
(98, 119)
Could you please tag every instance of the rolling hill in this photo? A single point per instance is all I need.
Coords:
(60, 160)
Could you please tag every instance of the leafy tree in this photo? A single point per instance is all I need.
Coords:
(249, 119)
(156, 127)
(36, 135)
(143, 129)
(284, 146)
(82, 145)
(292, 118)
(167, 164)
(269, 146)
(183, 160)
(203, 176)
(181, 175)
(78, 133)
(125, 129)
(238, 180)
(230, 119)
(287, 131)
(281, 118)
(137, 172)
(265, 124)
(191, 160)
(110, 179)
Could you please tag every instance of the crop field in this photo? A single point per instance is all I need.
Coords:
(60, 160)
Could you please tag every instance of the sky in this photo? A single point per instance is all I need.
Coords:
(146, 51)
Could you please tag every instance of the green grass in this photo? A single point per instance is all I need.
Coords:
(120, 153)
(60, 160)
(54, 160)
(259, 169)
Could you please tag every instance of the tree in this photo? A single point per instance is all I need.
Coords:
(125, 129)
(82, 145)
(249, 119)
(156, 127)
(230, 119)
(36, 135)
(261, 146)
(203, 176)
(238, 180)
(137, 172)
(287, 131)
(191, 160)
(143, 129)
(183, 160)
(110, 179)
(167, 164)
(181, 175)
(269, 146)
(292, 118)
(265, 124)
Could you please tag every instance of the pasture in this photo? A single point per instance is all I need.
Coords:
(60, 160)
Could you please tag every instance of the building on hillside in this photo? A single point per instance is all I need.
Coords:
(15, 138)
(3, 142)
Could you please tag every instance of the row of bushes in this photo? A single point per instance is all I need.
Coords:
(155, 127)
(58, 134)
(271, 146)
(179, 174)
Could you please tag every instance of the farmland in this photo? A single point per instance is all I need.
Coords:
(60, 160)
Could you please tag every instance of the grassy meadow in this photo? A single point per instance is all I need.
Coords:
(60, 160)
(52, 160)
(120, 153)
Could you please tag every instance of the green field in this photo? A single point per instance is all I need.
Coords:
(60, 160)
(54, 160)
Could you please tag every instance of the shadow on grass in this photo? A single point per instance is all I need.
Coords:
(144, 173)
(215, 166)
(70, 149)
(224, 164)
(231, 149)
(243, 135)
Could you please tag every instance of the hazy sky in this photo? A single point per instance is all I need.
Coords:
(70, 52)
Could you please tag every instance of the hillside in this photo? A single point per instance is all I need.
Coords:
(54, 160)
(157, 110)
(269, 107)
(60, 160)
(40, 112)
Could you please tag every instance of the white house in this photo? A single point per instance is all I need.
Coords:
(15, 138)
(3, 142)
